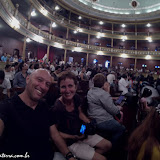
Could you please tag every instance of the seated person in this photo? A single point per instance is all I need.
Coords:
(8, 73)
(26, 125)
(146, 93)
(20, 77)
(56, 73)
(67, 111)
(5, 85)
(83, 75)
(123, 85)
(102, 108)
(151, 99)
(144, 143)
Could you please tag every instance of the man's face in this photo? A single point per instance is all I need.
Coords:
(74, 68)
(58, 70)
(38, 84)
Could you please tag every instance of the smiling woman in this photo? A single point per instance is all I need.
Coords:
(69, 116)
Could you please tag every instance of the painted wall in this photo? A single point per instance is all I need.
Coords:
(9, 44)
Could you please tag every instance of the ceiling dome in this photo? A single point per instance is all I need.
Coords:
(129, 10)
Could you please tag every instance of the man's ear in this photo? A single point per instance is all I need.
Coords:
(27, 79)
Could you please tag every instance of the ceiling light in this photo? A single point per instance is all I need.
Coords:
(58, 45)
(28, 40)
(79, 30)
(54, 25)
(123, 25)
(149, 11)
(148, 57)
(57, 8)
(44, 12)
(79, 17)
(99, 53)
(39, 39)
(99, 35)
(15, 23)
(77, 49)
(124, 55)
(149, 39)
(148, 25)
(101, 23)
(33, 13)
(75, 32)
(124, 38)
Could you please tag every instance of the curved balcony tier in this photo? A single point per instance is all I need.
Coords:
(8, 13)
(61, 20)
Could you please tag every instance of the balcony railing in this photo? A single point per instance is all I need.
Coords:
(54, 16)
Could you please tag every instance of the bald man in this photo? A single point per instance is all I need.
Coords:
(26, 124)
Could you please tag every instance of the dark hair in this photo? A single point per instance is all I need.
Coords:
(64, 75)
(2, 74)
(20, 66)
(36, 66)
(68, 66)
(146, 92)
(124, 76)
(16, 64)
(57, 67)
(7, 66)
(148, 134)
(99, 80)
(30, 65)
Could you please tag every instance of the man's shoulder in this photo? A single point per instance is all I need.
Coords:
(8, 102)
(95, 91)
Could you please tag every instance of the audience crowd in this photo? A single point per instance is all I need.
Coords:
(70, 111)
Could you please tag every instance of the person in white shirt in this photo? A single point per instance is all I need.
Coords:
(123, 85)
(74, 70)
(31, 68)
(52, 67)
(8, 73)
(111, 77)
(5, 84)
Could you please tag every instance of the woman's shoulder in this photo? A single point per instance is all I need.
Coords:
(58, 106)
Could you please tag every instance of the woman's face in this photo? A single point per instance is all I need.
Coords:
(68, 88)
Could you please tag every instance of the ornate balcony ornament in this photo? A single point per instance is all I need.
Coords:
(94, 1)
(134, 4)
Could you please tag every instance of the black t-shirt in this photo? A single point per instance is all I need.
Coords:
(26, 130)
(67, 122)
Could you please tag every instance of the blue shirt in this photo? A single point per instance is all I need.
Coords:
(3, 58)
(19, 80)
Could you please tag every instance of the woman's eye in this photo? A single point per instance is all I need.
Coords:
(63, 87)
(70, 86)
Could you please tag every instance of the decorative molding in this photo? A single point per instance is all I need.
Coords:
(92, 31)
(112, 16)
